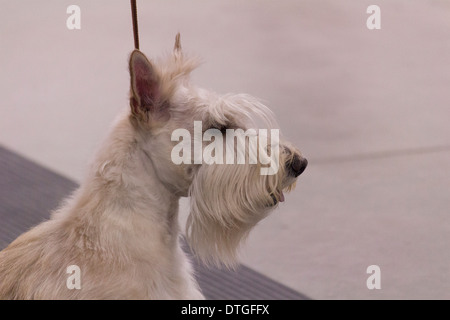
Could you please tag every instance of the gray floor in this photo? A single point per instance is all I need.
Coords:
(369, 109)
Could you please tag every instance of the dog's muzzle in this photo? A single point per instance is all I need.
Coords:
(294, 168)
(297, 165)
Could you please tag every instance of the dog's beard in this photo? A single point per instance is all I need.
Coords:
(227, 201)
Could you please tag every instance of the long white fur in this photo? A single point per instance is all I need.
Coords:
(121, 226)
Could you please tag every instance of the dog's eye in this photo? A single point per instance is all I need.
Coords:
(222, 129)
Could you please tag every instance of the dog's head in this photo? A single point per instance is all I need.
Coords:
(224, 151)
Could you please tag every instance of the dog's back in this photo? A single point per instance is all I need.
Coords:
(27, 263)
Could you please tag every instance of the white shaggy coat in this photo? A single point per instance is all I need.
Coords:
(121, 226)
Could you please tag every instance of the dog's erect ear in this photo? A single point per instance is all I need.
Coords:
(145, 88)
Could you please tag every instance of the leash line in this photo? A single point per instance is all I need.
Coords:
(135, 23)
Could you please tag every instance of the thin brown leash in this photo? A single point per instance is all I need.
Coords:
(135, 24)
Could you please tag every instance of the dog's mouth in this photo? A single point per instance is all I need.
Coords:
(278, 194)
(277, 197)
(295, 168)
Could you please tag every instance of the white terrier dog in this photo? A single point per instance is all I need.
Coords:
(120, 228)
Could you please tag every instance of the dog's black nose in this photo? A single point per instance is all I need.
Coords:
(298, 165)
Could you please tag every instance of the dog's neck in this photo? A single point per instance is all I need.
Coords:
(123, 190)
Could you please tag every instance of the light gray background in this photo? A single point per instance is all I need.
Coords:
(369, 109)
